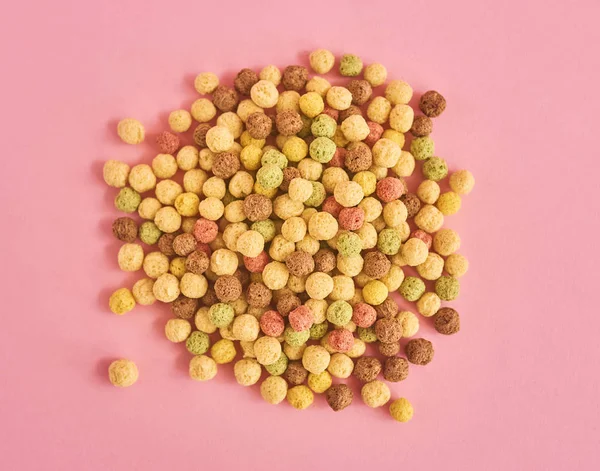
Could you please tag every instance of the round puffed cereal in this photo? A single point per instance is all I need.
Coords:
(375, 74)
(388, 241)
(125, 229)
(223, 351)
(386, 153)
(422, 148)
(300, 397)
(141, 178)
(446, 242)
(164, 165)
(394, 213)
(355, 128)
(319, 383)
(275, 275)
(131, 131)
(379, 110)
(269, 176)
(447, 288)
(294, 229)
(401, 118)
(300, 189)
(219, 139)
(343, 288)
(394, 278)
(462, 182)
(371, 207)
(115, 173)
(184, 307)
(294, 77)
(348, 193)
(193, 286)
(414, 252)
(398, 92)
(319, 285)
(315, 359)
(432, 104)
(429, 218)
(271, 73)
(322, 226)
(339, 98)
(412, 288)
(456, 265)
(250, 243)
(221, 314)
(128, 200)
(431, 269)
(367, 369)
(197, 343)
(311, 104)
(447, 321)
(264, 94)
(409, 323)
(448, 203)
(428, 304)
(203, 110)
(167, 219)
(244, 81)
(187, 158)
(130, 257)
(200, 135)
(202, 368)
(223, 262)
(401, 410)
(375, 292)
(405, 165)
(166, 288)
(187, 204)
(180, 120)
(206, 83)
(121, 301)
(419, 351)
(123, 373)
(247, 371)
(349, 244)
(156, 264)
(167, 191)
(288, 100)
(281, 248)
(245, 109)
(340, 366)
(428, 191)
(267, 350)
(321, 61)
(318, 85)
(177, 330)
(350, 65)
(435, 168)
(211, 208)
(375, 394)
(274, 389)
(142, 292)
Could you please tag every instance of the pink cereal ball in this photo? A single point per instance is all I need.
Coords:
(301, 318)
(389, 189)
(331, 206)
(341, 340)
(420, 234)
(168, 143)
(364, 315)
(256, 264)
(272, 324)
(375, 132)
(351, 219)
(205, 231)
(338, 158)
(335, 114)
(202, 247)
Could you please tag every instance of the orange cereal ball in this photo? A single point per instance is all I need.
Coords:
(398, 92)
(264, 94)
(187, 158)
(456, 265)
(379, 110)
(167, 219)
(206, 83)
(414, 252)
(375, 74)
(429, 304)
(323, 226)
(448, 203)
(180, 120)
(429, 218)
(401, 410)
(355, 128)
(131, 131)
(219, 139)
(178, 330)
(267, 350)
(315, 359)
(223, 262)
(339, 98)
(321, 61)
(123, 373)
(115, 173)
(375, 394)
(446, 242)
(319, 285)
(121, 301)
(431, 269)
(462, 182)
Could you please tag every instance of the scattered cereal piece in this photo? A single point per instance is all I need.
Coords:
(123, 373)
(131, 131)
(401, 410)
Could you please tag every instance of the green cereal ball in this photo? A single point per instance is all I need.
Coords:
(422, 148)
(320, 382)
(300, 397)
(412, 288)
(350, 65)
(317, 197)
(221, 314)
(322, 149)
(274, 157)
(339, 313)
(223, 351)
(265, 228)
(121, 301)
(323, 126)
(269, 176)
(447, 288)
(279, 367)
(149, 233)
(367, 335)
(128, 200)
(295, 339)
(435, 168)
(448, 203)
(197, 343)
(349, 244)
(388, 241)
(318, 331)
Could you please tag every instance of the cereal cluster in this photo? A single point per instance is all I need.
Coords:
(278, 218)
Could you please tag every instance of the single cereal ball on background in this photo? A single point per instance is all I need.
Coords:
(456, 265)
(401, 410)
(300, 397)
(131, 131)
(141, 178)
(223, 351)
(130, 257)
(395, 369)
(206, 83)
(321, 61)
(339, 396)
(264, 93)
(121, 301)
(375, 393)
(361, 91)
(123, 373)
(167, 219)
(379, 110)
(388, 330)
(350, 65)
(125, 229)
(115, 173)
(202, 368)
(164, 166)
(422, 126)
(447, 321)
(166, 288)
(155, 264)
(429, 218)
(184, 307)
(294, 77)
(422, 148)
(224, 98)
(414, 252)
(419, 351)
(367, 369)
(401, 118)
(462, 182)
(339, 98)
(398, 92)
(197, 343)
(446, 242)
(432, 104)
(435, 168)
(428, 304)
(180, 120)
(187, 157)
(178, 330)
(167, 142)
(447, 288)
(271, 73)
(274, 389)
(247, 372)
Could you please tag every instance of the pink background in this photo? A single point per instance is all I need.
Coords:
(518, 388)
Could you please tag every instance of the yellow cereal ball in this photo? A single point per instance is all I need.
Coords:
(456, 265)
(462, 182)
(203, 110)
(339, 98)
(319, 285)
(130, 257)
(339, 139)
(428, 191)
(275, 275)
(409, 323)
(261, 190)
(448, 203)
(231, 121)
(284, 207)
(241, 184)
(322, 226)
(271, 73)
(219, 139)
(223, 351)
(321, 61)
(395, 136)
(310, 169)
(300, 190)
(401, 410)
(372, 208)
(250, 244)
(274, 389)
(178, 330)
(308, 213)
(180, 120)
(267, 350)
(167, 191)
(281, 248)
(141, 178)
(394, 213)
(226, 333)
(401, 118)
(264, 94)
(121, 301)
(375, 292)
(379, 224)
(431, 269)
(311, 104)
(202, 368)
(429, 218)
(247, 371)
(429, 304)
(386, 153)
(206, 83)
(368, 236)
(375, 74)
(131, 131)
(186, 204)
(164, 166)
(366, 180)
(193, 286)
(300, 397)
(206, 159)
(294, 352)
(394, 278)
(188, 223)
(177, 267)
(247, 349)
(446, 242)
(246, 328)
(288, 100)
(123, 373)
(405, 165)
(348, 194)
(319, 309)
(318, 85)
(414, 252)
(234, 211)
(343, 287)
(315, 359)
(375, 394)
(115, 173)
(294, 229)
(340, 366)
(155, 264)
(166, 288)
(231, 234)
(148, 208)
(211, 208)
(355, 128)
(320, 382)
(223, 262)
(167, 219)
(187, 158)
(247, 107)
(398, 92)
(250, 157)
(379, 172)
(350, 266)
(358, 349)
(379, 110)
(142, 292)
(215, 187)
(203, 322)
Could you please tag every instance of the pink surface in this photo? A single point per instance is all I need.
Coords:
(516, 389)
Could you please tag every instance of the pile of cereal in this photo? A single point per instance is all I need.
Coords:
(292, 225)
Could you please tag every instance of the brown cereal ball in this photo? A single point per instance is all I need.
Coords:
(184, 307)
(258, 295)
(224, 98)
(288, 122)
(395, 369)
(200, 134)
(359, 158)
(339, 396)
(125, 229)
(228, 288)
(447, 321)
(367, 369)
(325, 261)
(412, 203)
(387, 309)
(376, 265)
(419, 351)
(289, 173)
(295, 374)
(361, 91)
(225, 165)
(168, 142)
(432, 104)
(388, 330)
(197, 262)
(259, 125)
(389, 349)
(300, 263)
(422, 126)
(294, 77)
(257, 207)
(244, 81)
(184, 244)
(288, 303)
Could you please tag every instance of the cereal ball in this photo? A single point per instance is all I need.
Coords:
(121, 301)
(351, 219)
(448, 203)
(295, 339)
(350, 65)
(412, 288)
(319, 383)
(446, 242)
(431, 269)
(428, 304)
(300, 397)
(422, 148)
(389, 189)
(377, 265)
(184, 244)
(294, 77)
(131, 131)
(419, 351)
(428, 191)
(355, 128)
(348, 194)
(219, 139)
(223, 351)
(361, 91)
(205, 231)
(395, 213)
(275, 275)
(187, 204)
(401, 118)
(375, 393)
(125, 229)
(273, 389)
(193, 286)
(340, 366)
(429, 218)
(264, 93)
(206, 83)
(331, 206)
(375, 74)
(388, 330)
(318, 331)
(456, 265)
(202, 368)
(228, 288)
(409, 323)
(435, 169)
(405, 165)
(379, 110)
(167, 192)
(156, 264)
(296, 373)
(311, 104)
(322, 226)
(367, 335)
(375, 292)
(422, 126)
(258, 295)
(221, 314)
(387, 309)
(259, 125)
(343, 288)
(224, 98)
(432, 104)
(279, 367)
(225, 165)
(394, 278)
(447, 288)
(115, 173)
(272, 324)
(317, 197)
(177, 330)
(211, 208)
(323, 126)
(339, 98)
(398, 92)
(395, 369)
(180, 120)
(141, 178)
(301, 318)
(447, 321)
(340, 340)
(299, 189)
(256, 264)
(367, 369)
(197, 343)
(414, 252)
(167, 142)
(250, 244)
(300, 263)
(389, 241)
(359, 159)
(349, 244)
(319, 285)
(257, 207)
(184, 307)
(339, 313)
(142, 292)
(324, 261)
(322, 150)
(339, 396)
(389, 349)
(462, 182)
(401, 410)
(321, 61)
(267, 350)
(247, 372)
(130, 257)
(187, 157)
(167, 219)
(363, 315)
(320, 86)
(199, 138)
(269, 176)
(123, 373)
(423, 236)
(352, 110)
(245, 80)
(315, 359)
